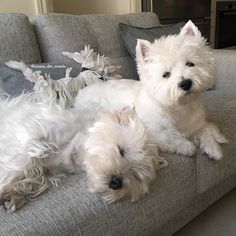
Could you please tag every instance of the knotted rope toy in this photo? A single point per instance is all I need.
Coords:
(95, 69)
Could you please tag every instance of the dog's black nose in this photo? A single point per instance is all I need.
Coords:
(116, 182)
(186, 84)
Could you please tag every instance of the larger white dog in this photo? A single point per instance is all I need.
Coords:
(173, 72)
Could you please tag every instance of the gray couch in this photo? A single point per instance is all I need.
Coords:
(180, 192)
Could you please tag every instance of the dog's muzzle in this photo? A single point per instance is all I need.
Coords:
(186, 84)
(116, 182)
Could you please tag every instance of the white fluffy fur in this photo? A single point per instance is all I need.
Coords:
(174, 116)
(40, 141)
(33, 142)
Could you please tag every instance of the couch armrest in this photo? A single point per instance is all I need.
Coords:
(225, 69)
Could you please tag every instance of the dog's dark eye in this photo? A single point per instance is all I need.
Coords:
(116, 182)
(166, 74)
(190, 64)
(121, 151)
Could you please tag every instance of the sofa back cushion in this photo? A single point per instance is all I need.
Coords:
(18, 40)
(62, 32)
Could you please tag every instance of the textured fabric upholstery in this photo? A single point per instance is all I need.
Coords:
(127, 67)
(59, 32)
(220, 109)
(18, 41)
(71, 210)
(225, 70)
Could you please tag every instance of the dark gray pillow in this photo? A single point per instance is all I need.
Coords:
(130, 34)
(14, 83)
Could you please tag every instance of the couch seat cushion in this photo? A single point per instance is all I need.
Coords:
(71, 210)
(220, 109)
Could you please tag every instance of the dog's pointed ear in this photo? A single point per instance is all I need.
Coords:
(190, 29)
(142, 49)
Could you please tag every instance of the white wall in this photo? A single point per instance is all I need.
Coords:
(96, 6)
(27, 7)
(33, 7)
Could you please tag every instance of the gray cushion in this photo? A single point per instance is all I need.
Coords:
(13, 82)
(18, 41)
(130, 34)
(128, 67)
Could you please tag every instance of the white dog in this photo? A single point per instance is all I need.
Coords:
(40, 141)
(174, 71)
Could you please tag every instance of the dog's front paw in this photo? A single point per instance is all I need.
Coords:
(221, 139)
(11, 201)
(186, 148)
(210, 139)
(213, 150)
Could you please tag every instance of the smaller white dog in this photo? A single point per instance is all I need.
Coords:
(40, 142)
(174, 71)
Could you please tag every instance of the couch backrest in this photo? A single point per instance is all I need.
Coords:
(18, 40)
(50, 34)
(62, 32)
